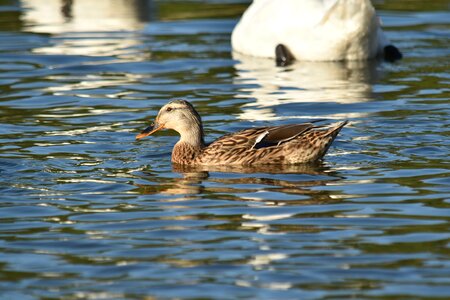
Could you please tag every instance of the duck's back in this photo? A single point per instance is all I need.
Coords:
(285, 144)
(311, 29)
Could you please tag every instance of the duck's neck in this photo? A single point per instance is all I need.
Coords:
(193, 136)
(189, 146)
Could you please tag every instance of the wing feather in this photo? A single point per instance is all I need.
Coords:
(260, 137)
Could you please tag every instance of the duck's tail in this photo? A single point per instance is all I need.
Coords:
(313, 144)
(329, 135)
(333, 131)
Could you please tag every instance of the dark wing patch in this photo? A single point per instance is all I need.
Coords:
(274, 136)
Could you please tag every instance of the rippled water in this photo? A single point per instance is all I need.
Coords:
(86, 212)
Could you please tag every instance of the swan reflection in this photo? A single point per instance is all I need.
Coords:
(56, 16)
(85, 27)
(338, 82)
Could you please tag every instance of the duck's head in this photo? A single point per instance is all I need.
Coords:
(180, 116)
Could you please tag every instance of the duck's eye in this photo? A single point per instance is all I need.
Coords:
(169, 109)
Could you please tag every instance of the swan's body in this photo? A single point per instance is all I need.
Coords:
(313, 30)
(281, 145)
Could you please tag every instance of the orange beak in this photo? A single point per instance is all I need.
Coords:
(149, 130)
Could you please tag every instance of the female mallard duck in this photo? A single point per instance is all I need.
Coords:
(285, 144)
(314, 30)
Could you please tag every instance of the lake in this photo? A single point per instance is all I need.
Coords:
(87, 212)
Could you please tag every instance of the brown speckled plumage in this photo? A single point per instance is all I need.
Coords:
(286, 144)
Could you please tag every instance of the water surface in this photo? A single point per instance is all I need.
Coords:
(86, 212)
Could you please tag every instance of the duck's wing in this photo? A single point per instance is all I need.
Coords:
(274, 136)
(242, 139)
(261, 137)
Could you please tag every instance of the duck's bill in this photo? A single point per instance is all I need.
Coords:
(148, 131)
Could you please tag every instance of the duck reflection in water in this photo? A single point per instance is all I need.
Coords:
(228, 182)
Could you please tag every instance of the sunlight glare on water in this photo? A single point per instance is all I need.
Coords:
(86, 212)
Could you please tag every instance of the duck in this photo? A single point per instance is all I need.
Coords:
(268, 145)
(312, 30)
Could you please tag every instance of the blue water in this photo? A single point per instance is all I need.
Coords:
(86, 212)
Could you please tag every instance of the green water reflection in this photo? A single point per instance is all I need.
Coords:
(86, 212)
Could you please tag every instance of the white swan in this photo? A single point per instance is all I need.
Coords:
(313, 30)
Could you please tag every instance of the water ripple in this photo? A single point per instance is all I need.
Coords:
(86, 212)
